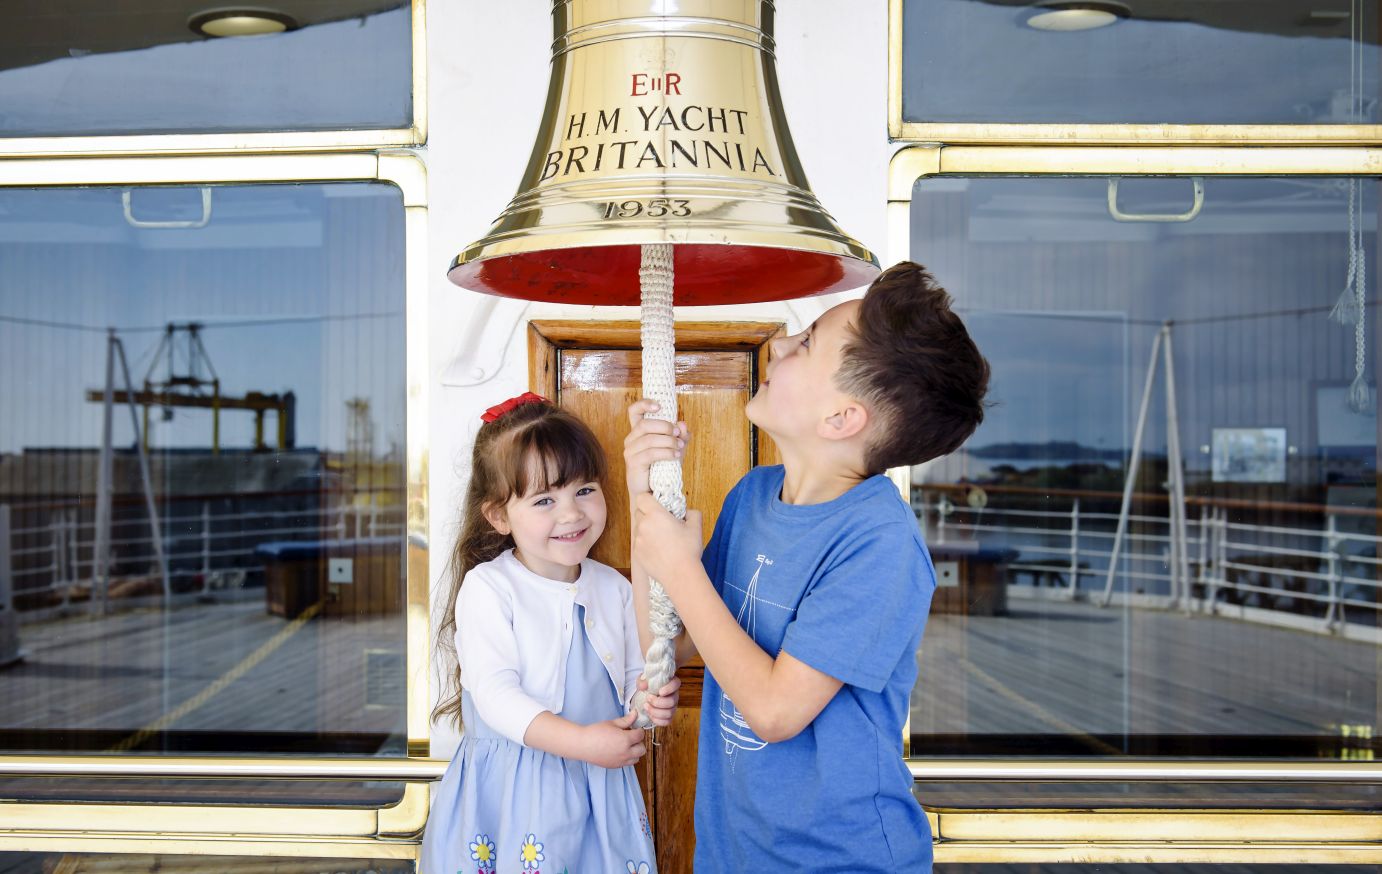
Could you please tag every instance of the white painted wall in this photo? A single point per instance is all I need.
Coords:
(487, 81)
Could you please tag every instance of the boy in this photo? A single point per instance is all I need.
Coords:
(808, 604)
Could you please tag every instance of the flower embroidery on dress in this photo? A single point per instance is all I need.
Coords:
(482, 851)
(643, 821)
(531, 854)
(639, 868)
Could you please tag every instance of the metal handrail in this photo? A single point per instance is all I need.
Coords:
(1065, 771)
(416, 770)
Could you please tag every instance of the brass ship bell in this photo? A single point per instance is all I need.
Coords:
(663, 124)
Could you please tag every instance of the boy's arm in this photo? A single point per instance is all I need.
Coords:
(778, 697)
(649, 440)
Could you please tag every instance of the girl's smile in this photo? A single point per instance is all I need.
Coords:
(554, 529)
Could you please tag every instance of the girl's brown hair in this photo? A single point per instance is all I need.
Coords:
(532, 448)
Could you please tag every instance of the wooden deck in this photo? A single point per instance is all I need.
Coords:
(1050, 667)
(216, 678)
(122, 672)
(1072, 679)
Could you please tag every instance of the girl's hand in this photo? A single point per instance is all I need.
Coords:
(650, 440)
(614, 743)
(664, 703)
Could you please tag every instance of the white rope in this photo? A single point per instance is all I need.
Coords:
(1359, 396)
(1351, 307)
(1345, 310)
(659, 384)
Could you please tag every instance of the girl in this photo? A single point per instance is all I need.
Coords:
(547, 659)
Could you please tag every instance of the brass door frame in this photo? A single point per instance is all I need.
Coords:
(1163, 835)
(241, 829)
(414, 134)
(1103, 134)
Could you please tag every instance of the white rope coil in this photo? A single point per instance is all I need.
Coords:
(1351, 307)
(659, 384)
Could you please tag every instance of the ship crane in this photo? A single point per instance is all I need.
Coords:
(200, 387)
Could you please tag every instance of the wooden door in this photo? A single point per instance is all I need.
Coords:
(593, 369)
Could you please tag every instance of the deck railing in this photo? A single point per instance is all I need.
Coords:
(51, 564)
(1319, 577)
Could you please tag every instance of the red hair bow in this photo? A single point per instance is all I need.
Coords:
(499, 410)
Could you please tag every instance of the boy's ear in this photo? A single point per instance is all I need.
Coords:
(497, 518)
(848, 420)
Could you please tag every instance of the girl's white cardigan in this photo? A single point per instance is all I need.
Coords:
(513, 632)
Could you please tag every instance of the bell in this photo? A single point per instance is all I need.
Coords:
(663, 125)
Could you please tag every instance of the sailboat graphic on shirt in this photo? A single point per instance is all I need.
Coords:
(733, 728)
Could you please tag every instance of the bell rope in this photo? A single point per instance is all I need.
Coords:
(655, 277)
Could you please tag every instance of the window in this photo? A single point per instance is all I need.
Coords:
(1083, 617)
(1237, 632)
(984, 71)
(264, 518)
(98, 70)
(260, 607)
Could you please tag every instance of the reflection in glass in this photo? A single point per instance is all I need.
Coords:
(1264, 62)
(90, 67)
(1249, 626)
(233, 582)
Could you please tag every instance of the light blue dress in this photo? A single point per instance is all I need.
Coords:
(503, 807)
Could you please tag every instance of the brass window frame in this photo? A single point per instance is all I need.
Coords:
(254, 141)
(245, 829)
(1146, 835)
(1107, 134)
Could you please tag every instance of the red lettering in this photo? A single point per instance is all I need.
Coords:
(636, 83)
(673, 83)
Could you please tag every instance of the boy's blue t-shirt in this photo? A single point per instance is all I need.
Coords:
(845, 587)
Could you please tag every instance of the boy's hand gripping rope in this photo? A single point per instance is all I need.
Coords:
(659, 384)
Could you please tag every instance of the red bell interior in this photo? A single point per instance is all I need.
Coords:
(706, 274)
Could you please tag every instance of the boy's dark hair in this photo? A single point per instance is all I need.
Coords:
(911, 361)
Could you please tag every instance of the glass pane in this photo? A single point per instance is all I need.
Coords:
(1152, 63)
(233, 583)
(84, 67)
(92, 863)
(1246, 626)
